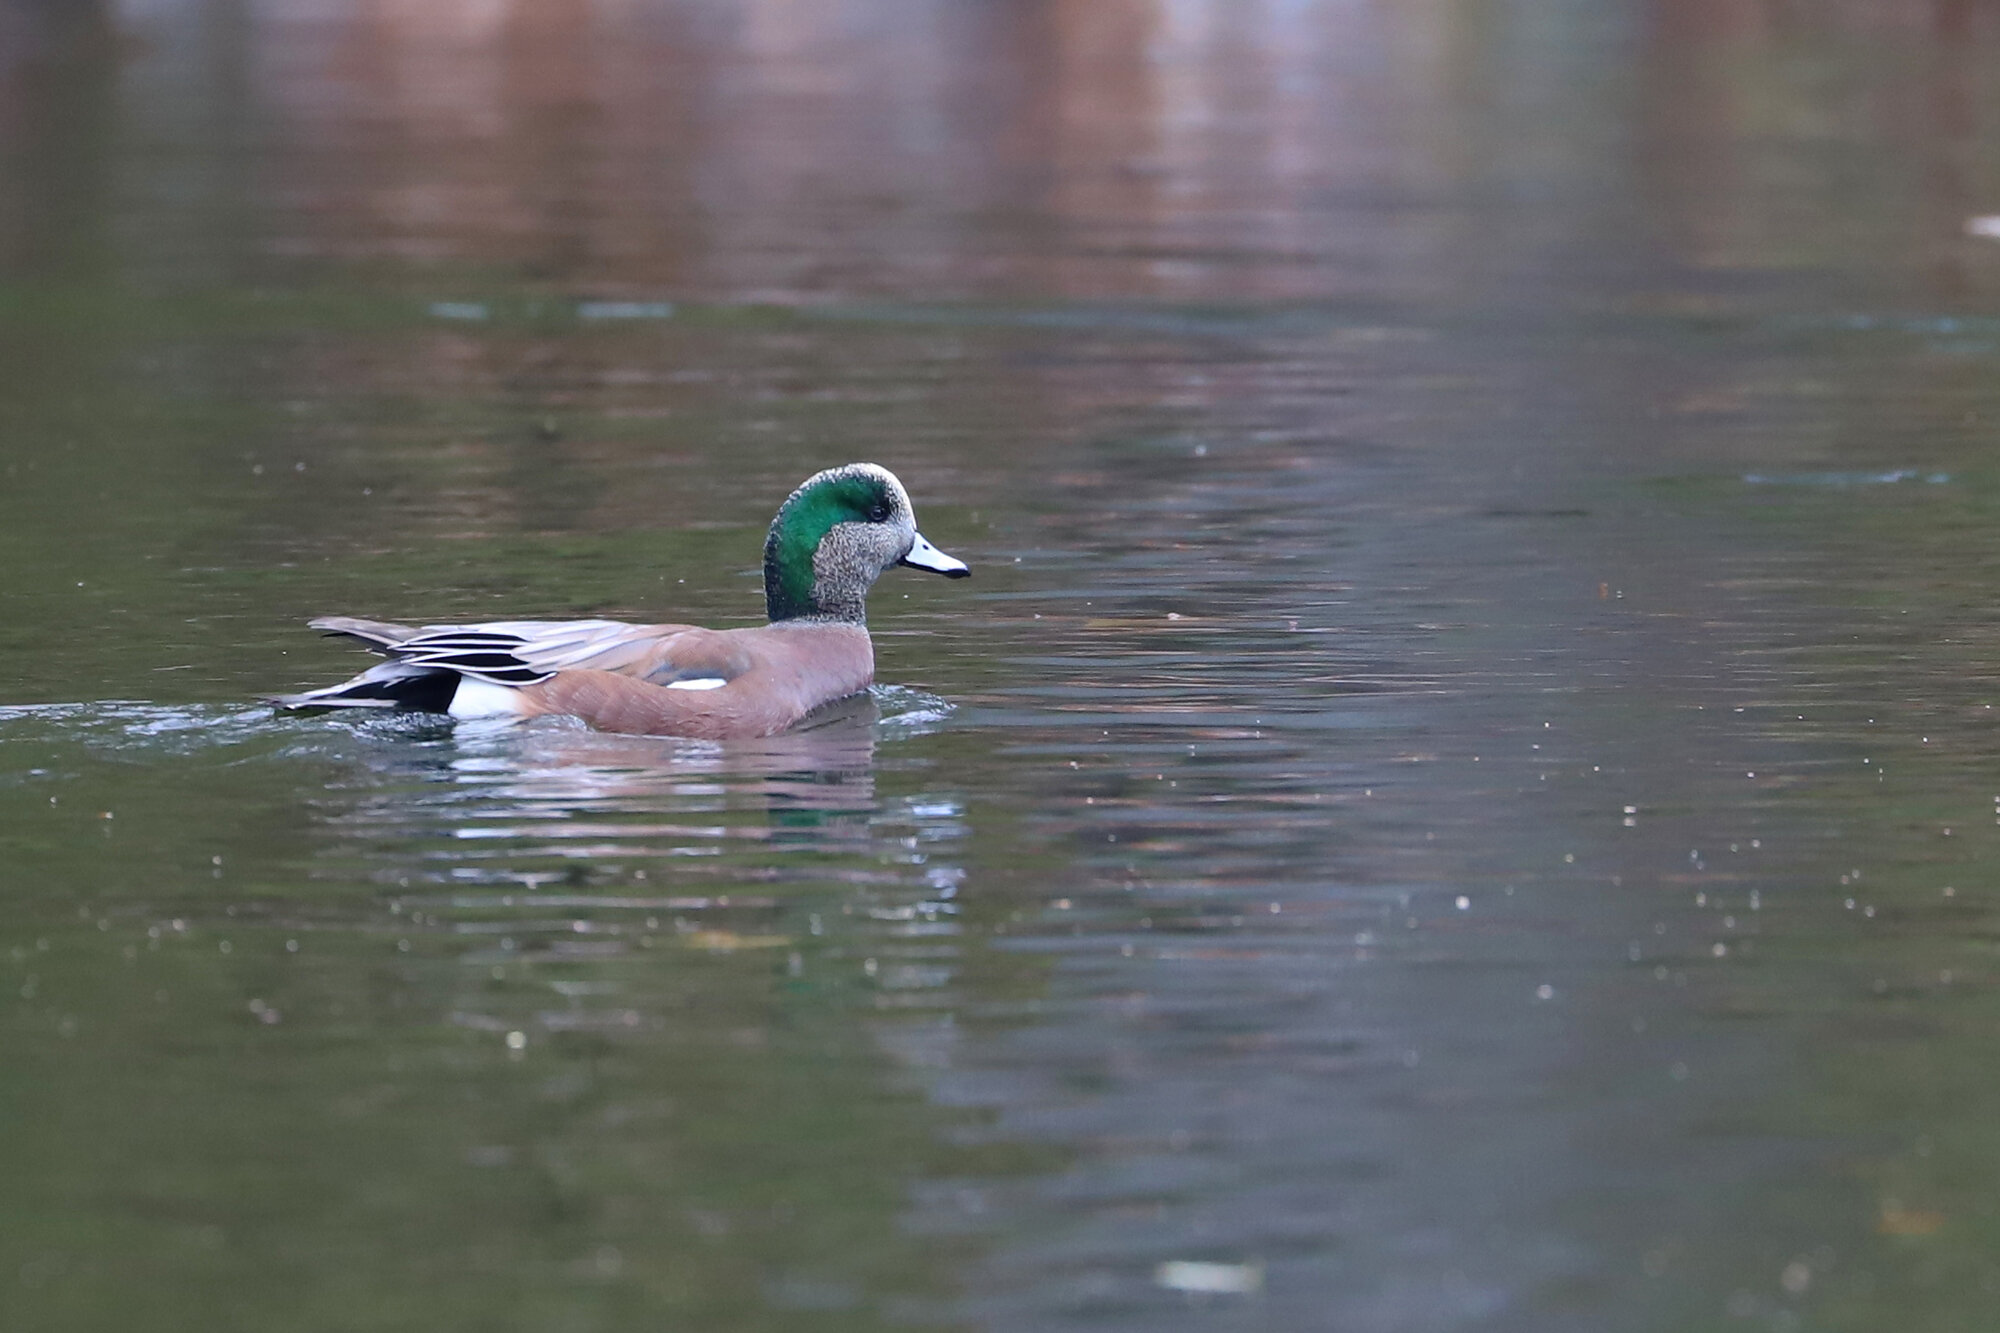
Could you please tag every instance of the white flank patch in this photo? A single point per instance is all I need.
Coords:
(705, 683)
(482, 698)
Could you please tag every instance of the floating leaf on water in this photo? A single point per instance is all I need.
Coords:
(1896, 1220)
(723, 941)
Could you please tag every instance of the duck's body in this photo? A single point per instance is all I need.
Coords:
(829, 542)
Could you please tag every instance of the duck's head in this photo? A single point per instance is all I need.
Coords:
(835, 536)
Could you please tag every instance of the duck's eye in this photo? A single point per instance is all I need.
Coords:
(878, 510)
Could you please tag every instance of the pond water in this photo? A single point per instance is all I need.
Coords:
(1464, 792)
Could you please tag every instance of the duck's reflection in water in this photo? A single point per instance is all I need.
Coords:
(554, 788)
(560, 768)
(544, 843)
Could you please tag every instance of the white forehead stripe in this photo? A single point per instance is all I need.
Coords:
(704, 683)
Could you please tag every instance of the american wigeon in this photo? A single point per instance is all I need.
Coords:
(830, 541)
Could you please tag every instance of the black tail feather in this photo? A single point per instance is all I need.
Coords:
(416, 691)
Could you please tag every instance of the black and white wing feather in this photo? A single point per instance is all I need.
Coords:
(426, 663)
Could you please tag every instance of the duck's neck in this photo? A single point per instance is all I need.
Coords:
(826, 581)
(824, 598)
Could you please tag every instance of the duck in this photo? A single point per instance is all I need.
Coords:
(842, 529)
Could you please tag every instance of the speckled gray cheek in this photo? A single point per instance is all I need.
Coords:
(850, 558)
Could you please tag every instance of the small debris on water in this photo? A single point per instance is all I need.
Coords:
(1893, 477)
(625, 310)
(1209, 1279)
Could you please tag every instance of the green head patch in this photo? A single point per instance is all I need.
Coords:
(854, 494)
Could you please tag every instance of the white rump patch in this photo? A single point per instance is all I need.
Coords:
(703, 683)
(482, 698)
